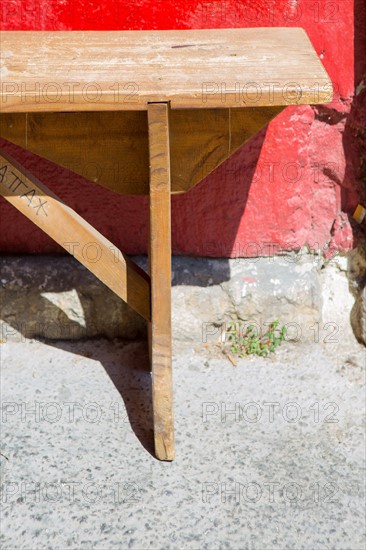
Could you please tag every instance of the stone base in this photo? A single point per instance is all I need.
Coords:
(55, 297)
(357, 279)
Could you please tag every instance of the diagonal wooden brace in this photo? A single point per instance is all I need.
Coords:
(38, 203)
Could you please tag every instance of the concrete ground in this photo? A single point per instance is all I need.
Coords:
(270, 453)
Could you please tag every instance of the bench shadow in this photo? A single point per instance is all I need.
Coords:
(127, 365)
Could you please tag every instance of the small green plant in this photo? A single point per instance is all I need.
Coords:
(243, 340)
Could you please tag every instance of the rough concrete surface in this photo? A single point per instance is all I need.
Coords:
(270, 454)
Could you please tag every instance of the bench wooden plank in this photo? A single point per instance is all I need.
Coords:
(39, 204)
(160, 275)
(111, 148)
(124, 70)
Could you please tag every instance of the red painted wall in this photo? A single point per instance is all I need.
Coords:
(293, 184)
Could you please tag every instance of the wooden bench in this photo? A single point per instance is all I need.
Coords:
(153, 112)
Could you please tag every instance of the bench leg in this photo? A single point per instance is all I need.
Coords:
(160, 340)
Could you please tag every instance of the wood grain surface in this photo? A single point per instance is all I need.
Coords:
(125, 70)
(111, 148)
(160, 275)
